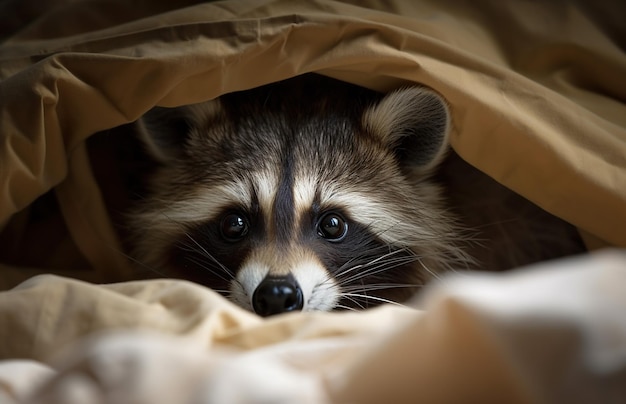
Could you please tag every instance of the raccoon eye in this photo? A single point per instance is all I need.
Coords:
(234, 227)
(332, 227)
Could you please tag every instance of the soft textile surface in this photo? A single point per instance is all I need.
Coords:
(537, 93)
(504, 339)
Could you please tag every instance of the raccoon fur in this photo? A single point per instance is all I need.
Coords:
(307, 194)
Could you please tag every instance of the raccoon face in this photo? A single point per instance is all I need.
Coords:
(308, 194)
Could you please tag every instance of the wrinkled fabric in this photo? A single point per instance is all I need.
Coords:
(514, 338)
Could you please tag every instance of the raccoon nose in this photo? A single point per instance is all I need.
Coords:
(276, 295)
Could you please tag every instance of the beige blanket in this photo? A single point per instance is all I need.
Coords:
(537, 93)
(476, 339)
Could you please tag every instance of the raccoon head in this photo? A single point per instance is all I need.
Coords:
(308, 194)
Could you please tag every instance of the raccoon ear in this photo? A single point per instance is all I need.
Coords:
(166, 131)
(414, 122)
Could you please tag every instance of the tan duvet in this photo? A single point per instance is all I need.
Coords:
(537, 92)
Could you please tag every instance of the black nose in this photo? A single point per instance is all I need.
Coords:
(276, 295)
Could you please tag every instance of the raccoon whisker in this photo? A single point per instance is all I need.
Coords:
(202, 257)
(498, 222)
(223, 292)
(370, 251)
(344, 307)
(371, 272)
(204, 260)
(183, 228)
(380, 286)
(379, 276)
(239, 296)
(377, 270)
(428, 270)
(343, 270)
(375, 266)
(209, 255)
(359, 305)
(160, 273)
(420, 237)
(458, 233)
(346, 268)
(368, 297)
(209, 268)
(147, 267)
(449, 263)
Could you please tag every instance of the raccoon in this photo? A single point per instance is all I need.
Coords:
(316, 194)
(306, 194)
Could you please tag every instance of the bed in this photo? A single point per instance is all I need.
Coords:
(522, 78)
